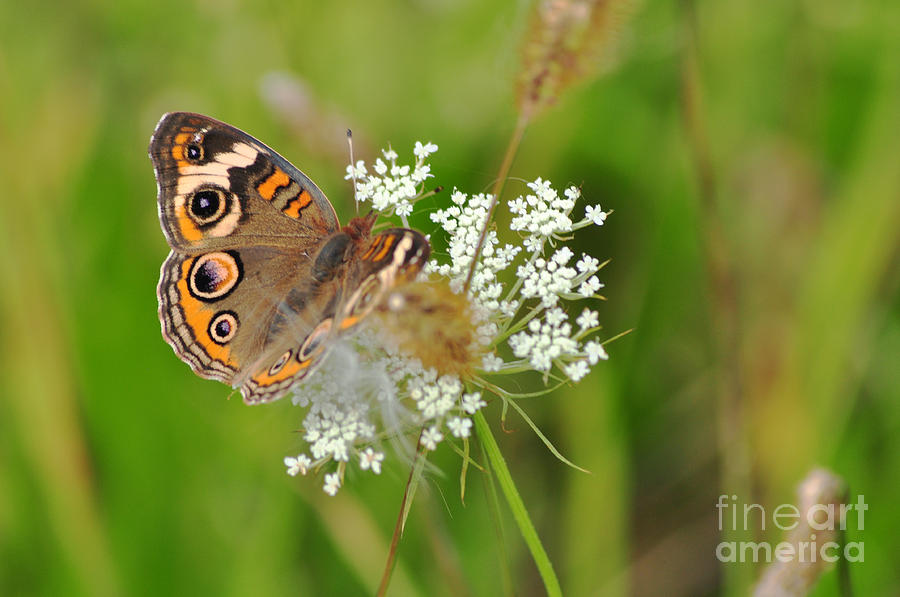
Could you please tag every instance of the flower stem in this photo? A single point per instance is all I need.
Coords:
(520, 514)
(411, 484)
(511, 148)
(507, 330)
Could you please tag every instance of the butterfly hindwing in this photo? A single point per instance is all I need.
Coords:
(382, 262)
(225, 311)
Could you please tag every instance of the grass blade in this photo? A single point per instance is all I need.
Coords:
(520, 514)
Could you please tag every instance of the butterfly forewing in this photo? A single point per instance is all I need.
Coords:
(221, 188)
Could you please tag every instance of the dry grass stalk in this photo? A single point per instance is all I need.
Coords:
(796, 578)
(567, 43)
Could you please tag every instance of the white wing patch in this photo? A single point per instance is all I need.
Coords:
(215, 173)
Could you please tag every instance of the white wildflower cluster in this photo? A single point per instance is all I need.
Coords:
(366, 392)
(363, 394)
(338, 420)
(463, 221)
(542, 337)
(392, 189)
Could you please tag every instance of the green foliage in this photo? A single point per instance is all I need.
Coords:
(123, 473)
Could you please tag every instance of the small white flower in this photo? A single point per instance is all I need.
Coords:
(421, 173)
(460, 427)
(588, 319)
(589, 287)
(509, 308)
(587, 264)
(370, 459)
(545, 341)
(332, 484)
(434, 400)
(595, 214)
(577, 370)
(472, 402)
(357, 170)
(533, 244)
(518, 206)
(573, 193)
(563, 255)
(556, 316)
(542, 215)
(399, 171)
(548, 280)
(423, 151)
(431, 437)
(491, 362)
(300, 464)
(595, 352)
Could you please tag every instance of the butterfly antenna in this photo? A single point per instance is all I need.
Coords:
(353, 169)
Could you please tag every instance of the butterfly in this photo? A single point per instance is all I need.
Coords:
(261, 277)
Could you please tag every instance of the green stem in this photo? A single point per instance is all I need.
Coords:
(508, 330)
(486, 385)
(544, 438)
(520, 514)
(411, 484)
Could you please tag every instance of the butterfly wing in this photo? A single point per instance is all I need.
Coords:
(242, 296)
(232, 314)
(244, 226)
(386, 260)
(391, 258)
(219, 188)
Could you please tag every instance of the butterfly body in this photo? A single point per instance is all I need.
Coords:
(261, 276)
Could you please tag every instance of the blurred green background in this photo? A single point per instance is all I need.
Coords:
(750, 154)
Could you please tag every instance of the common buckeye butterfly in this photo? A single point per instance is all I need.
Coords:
(261, 276)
